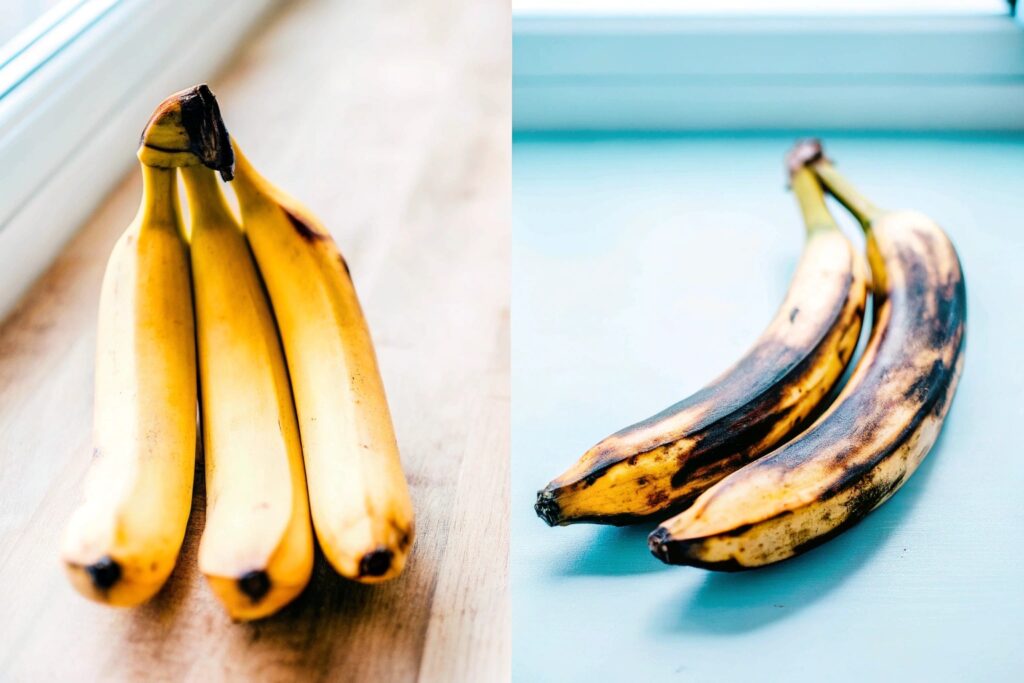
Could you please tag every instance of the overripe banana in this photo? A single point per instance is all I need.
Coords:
(359, 500)
(880, 428)
(257, 546)
(667, 460)
(358, 496)
(122, 542)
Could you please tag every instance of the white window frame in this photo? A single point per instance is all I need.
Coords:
(706, 73)
(75, 90)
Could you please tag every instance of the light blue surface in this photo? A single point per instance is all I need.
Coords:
(641, 268)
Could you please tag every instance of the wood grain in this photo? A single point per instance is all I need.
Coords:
(390, 120)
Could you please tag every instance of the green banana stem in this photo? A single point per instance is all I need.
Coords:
(811, 197)
(839, 187)
(808, 154)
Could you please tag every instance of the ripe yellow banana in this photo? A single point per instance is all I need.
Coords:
(122, 542)
(362, 512)
(257, 546)
(667, 460)
(880, 428)
(359, 500)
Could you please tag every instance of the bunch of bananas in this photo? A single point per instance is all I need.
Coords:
(294, 419)
(767, 462)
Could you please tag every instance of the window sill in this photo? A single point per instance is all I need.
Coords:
(72, 105)
(785, 73)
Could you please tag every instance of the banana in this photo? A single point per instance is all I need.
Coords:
(882, 425)
(667, 460)
(257, 547)
(359, 499)
(122, 542)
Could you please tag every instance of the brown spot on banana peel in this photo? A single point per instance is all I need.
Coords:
(915, 361)
(304, 228)
(722, 443)
(311, 234)
(405, 540)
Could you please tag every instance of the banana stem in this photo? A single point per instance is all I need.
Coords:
(159, 196)
(811, 197)
(206, 201)
(839, 187)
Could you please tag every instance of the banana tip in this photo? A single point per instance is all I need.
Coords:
(255, 585)
(376, 562)
(658, 543)
(547, 508)
(104, 573)
(804, 153)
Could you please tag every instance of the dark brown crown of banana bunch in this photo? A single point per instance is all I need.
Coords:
(804, 153)
(187, 129)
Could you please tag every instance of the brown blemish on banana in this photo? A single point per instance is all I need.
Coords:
(189, 122)
(405, 540)
(305, 230)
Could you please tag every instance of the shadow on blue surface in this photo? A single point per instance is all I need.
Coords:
(734, 603)
(615, 551)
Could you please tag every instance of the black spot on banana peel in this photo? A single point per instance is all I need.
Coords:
(187, 129)
(878, 431)
(781, 385)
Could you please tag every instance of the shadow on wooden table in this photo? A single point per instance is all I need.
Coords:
(745, 601)
(313, 636)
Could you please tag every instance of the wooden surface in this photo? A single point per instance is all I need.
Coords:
(391, 123)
